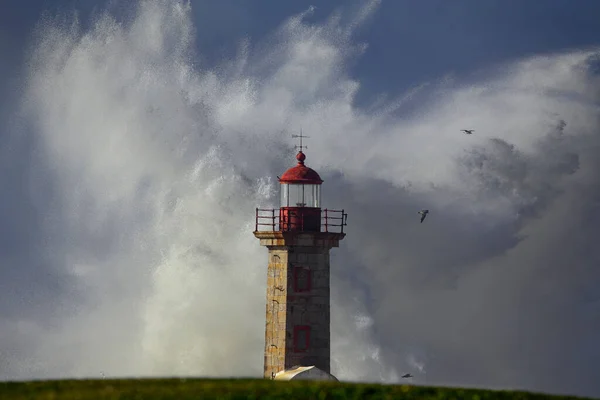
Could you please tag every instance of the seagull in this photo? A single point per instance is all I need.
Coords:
(407, 376)
(423, 214)
(468, 131)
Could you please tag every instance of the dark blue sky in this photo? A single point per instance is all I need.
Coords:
(409, 41)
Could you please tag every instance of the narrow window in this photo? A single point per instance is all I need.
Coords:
(302, 279)
(301, 338)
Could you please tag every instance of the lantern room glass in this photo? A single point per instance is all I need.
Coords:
(300, 195)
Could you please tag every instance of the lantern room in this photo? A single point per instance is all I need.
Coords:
(300, 186)
(300, 198)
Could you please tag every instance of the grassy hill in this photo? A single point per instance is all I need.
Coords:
(182, 389)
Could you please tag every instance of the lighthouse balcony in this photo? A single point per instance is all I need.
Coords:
(300, 219)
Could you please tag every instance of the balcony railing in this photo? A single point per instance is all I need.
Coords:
(268, 219)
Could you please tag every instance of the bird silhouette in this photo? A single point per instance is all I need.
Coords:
(423, 214)
(407, 376)
(468, 131)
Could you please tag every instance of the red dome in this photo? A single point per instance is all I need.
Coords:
(301, 173)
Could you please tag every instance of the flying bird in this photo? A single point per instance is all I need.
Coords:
(423, 214)
(468, 131)
(407, 376)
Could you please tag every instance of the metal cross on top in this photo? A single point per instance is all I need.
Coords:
(300, 136)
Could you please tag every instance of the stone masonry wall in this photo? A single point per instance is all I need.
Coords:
(309, 308)
(288, 310)
(275, 340)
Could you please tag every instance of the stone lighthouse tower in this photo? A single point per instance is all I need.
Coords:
(299, 235)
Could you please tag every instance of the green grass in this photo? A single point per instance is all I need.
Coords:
(182, 389)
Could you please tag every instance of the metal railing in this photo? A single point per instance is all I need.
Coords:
(331, 221)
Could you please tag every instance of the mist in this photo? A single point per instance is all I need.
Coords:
(131, 171)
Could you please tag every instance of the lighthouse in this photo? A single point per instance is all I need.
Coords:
(298, 235)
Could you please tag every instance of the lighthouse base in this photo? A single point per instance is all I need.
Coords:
(310, 373)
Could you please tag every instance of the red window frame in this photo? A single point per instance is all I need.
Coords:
(297, 329)
(308, 287)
